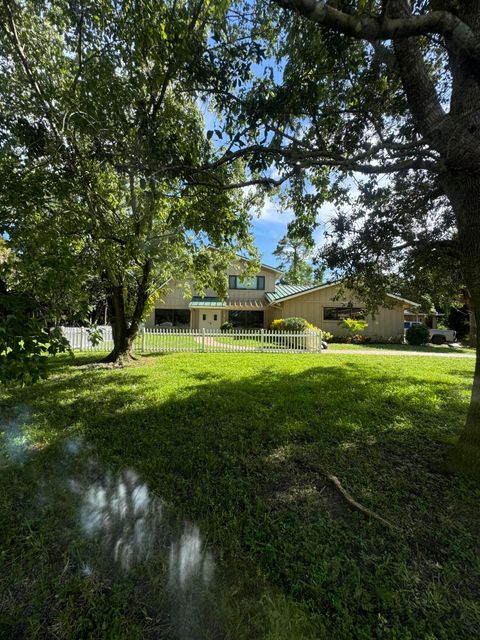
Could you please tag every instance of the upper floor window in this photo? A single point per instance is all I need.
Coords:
(236, 282)
(341, 313)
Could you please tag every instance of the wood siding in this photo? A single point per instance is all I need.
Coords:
(176, 298)
(386, 323)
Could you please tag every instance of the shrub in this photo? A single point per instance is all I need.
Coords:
(290, 324)
(327, 336)
(353, 326)
(226, 326)
(418, 334)
(361, 339)
(294, 324)
(277, 325)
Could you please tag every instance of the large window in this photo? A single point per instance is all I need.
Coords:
(236, 282)
(340, 313)
(246, 319)
(172, 317)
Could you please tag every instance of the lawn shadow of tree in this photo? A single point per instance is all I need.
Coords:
(224, 451)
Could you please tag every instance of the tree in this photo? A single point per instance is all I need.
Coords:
(106, 169)
(25, 341)
(375, 108)
(294, 254)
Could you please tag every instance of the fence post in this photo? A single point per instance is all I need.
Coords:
(203, 339)
(262, 338)
(143, 340)
(81, 338)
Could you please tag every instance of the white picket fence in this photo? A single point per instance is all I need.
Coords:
(159, 340)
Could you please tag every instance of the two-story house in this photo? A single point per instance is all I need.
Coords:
(245, 307)
(256, 301)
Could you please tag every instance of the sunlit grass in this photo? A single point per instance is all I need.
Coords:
(233, 442)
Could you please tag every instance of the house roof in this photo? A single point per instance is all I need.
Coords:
(286, 292)
(262, 264)
(242, 303)
(208, 301)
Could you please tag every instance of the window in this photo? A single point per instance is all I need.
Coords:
(246, 319)
(340, 313)
(236, 282)
(214, 317)
(172, 317)
(204, 316)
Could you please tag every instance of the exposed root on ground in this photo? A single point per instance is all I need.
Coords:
(346, 496)
(356, 505)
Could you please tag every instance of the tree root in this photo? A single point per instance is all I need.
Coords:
(356, 505)
(347, 497)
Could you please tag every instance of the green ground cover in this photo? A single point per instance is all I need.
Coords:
(236, 444)
(429, 348)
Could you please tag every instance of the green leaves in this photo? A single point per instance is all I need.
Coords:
(25, 343)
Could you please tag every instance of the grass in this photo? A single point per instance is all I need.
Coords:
(232, 442)
(429, 348)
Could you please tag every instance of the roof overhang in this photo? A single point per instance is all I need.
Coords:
(409, 303)
(239, 304)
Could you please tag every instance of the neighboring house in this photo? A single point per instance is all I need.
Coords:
(413, 316)
(257, 301)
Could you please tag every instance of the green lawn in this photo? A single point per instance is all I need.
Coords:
(235, 445)
(430, 348)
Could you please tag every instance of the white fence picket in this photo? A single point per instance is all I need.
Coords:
(161, 339)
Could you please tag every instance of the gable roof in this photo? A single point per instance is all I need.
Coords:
(286, 292)
(262, 264)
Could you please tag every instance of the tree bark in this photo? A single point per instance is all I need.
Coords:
(463, 192)
(122, 339)
(124, 331)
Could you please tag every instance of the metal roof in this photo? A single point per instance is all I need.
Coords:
(208, 301)
(241, 303)
(287, 290)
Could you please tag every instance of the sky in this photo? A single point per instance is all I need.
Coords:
(271, 225)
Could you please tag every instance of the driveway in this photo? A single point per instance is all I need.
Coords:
(394, 352)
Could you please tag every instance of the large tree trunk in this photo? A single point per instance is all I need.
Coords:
(123, 331)
(122, 337)
(464, 194)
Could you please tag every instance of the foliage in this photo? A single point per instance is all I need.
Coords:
(354, 326)
(226, 326)
(107, 173)
(289, 324)
(294, 254)
(25, 342)
(245, 463)
(327, 336)
(95, 335)
(418, 334)
(458, 320)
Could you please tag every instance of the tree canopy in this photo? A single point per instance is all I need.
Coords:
(107, 170)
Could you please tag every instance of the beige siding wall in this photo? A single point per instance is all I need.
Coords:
(177, 299)
(386, 323)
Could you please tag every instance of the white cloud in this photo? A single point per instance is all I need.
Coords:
(272, 213)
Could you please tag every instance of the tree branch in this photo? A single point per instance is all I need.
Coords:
(443, 23)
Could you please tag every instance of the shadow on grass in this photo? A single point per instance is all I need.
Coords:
(222, 448)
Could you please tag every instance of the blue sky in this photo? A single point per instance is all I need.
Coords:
(271, 225)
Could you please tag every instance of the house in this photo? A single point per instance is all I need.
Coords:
(414, 316)
(256, 301)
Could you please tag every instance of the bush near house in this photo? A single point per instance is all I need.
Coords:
(418, 335)
(294, 325)
(289, 324)
(354, 327)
